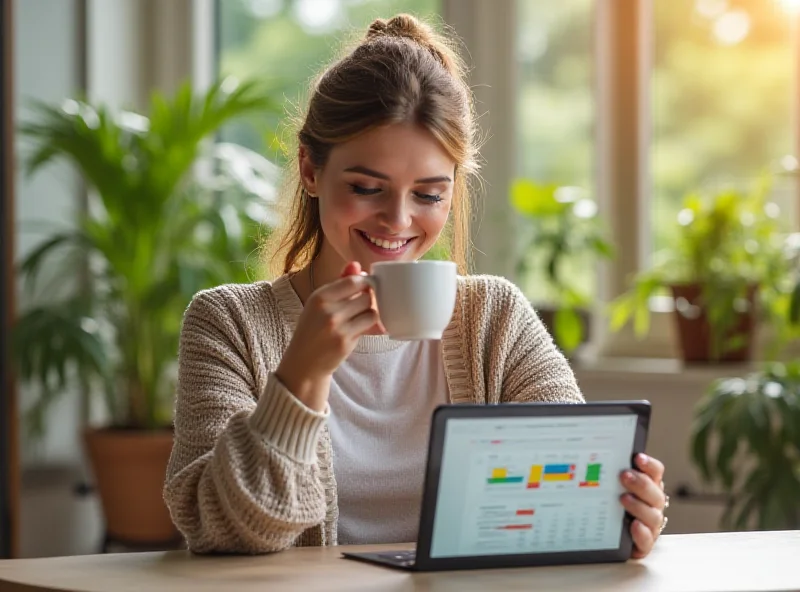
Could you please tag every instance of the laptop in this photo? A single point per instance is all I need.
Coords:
(515, 485)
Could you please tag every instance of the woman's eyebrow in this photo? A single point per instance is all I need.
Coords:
(372, 173)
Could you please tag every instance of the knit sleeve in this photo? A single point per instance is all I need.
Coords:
(243, 476)
(534, 370)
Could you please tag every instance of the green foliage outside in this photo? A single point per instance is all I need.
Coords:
(721, 112)
(278, 41)
(561, 228)
(154, 234)
(555, 137)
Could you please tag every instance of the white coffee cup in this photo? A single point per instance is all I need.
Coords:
(416, 299)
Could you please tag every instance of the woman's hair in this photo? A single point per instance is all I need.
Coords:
(401, 72)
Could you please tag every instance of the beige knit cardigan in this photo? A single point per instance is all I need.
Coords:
(251, 467)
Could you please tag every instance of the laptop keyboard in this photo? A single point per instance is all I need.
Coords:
(401, 557)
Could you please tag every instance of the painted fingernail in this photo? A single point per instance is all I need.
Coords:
(643, 459)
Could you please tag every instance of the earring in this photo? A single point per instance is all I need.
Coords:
(309, 194)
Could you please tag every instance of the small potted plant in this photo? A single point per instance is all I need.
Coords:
(725, 270)
(171, 213)
(561, 232)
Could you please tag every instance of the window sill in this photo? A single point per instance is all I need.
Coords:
(656, 370)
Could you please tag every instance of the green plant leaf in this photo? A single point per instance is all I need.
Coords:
(757, 458)
(568, 329)
(31, 266)
(794, 306)
(602, 247)
(700, 452)
(535, 200)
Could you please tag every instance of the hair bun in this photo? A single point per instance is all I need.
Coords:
(401, 25)
(406, 26)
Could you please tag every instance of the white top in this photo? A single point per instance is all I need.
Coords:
(381, 402)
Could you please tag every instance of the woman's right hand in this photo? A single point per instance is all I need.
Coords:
(334, 317)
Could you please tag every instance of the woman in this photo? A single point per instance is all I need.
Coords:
(298, 422)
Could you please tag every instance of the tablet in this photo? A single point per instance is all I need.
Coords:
(516, 485)
(528, 484)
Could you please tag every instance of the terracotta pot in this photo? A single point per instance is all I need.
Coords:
(129, 469)
(694, 332)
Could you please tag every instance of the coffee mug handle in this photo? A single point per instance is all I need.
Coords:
(371, 280)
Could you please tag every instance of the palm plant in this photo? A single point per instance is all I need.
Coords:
(170, 214)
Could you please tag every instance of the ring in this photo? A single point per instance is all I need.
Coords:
(666, 502)
(663, 525)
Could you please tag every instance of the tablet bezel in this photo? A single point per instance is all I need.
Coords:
(442, 414)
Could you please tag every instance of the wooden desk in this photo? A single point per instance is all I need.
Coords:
(729, 562)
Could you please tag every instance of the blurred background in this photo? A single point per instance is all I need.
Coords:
(641, 186)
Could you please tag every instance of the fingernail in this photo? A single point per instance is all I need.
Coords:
(643, 459)
(629, 477)
(626, 498)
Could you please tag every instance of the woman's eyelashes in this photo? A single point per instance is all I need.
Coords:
(431, 197)
(361, 190)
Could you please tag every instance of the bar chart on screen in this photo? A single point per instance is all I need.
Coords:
(568, 470)
(532, 485)
(525, 500)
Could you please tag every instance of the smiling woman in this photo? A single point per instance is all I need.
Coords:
(392, 206)
(385, 152)
(299, 421)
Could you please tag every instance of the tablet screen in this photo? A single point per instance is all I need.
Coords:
(531, 485)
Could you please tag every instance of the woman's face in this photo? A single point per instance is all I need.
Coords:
(383, 196)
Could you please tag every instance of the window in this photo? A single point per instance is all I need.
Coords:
(555, 122)
(628, 104)
(723, 95)
(286, 42)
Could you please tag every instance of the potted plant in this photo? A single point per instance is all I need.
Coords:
(746, 436)
(561, 230)
(170, 213)
(726, 269)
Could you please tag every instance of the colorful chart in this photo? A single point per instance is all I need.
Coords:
(547, 473)
(500, 475)
(592, 476)
(551, 472)
(535, 477)
(559, 472)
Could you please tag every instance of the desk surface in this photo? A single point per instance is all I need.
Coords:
(730, 562)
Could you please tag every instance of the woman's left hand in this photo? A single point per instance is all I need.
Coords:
(645, 501)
